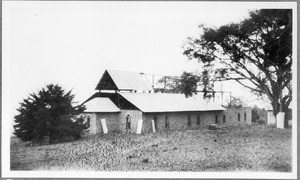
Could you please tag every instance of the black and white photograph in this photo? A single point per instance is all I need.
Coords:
(149, 89)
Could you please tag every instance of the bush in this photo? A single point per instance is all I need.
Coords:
(213, 127)
(261, 121)
(258, 113)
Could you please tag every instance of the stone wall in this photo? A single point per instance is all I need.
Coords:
(238, 115)
(116, 122)
(147, 123)
(111, 119)
(135, 115)
(112, 122)
(179, 120)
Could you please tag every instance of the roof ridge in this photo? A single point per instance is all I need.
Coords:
(123, 80)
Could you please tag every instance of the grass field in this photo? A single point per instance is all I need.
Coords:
(234, 148)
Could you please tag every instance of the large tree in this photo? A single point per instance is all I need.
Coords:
(256, 53)
(51, 114)
(186, 83)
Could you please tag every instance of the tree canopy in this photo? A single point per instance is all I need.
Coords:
(236, 102)
(50, 113)
(186, 84)
(256, 53)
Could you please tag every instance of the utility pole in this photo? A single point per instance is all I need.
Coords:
(152, 80)
(222, 92)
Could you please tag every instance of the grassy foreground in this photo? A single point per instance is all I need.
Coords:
(234, 148)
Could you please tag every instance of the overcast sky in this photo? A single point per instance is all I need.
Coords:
(72, 43)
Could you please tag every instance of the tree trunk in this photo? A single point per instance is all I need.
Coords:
(280, 107)
(278, 104)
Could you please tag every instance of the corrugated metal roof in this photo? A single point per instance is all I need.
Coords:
(126, 80)
(101, 105)
(162, 102)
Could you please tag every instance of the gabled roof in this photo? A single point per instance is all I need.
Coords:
(163, 102)
(123, 80)
(99, 104)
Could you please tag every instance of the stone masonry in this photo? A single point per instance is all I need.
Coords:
(135, 116)
(238, 115)
(179, 120)
(116, 122)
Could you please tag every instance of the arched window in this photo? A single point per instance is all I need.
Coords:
(224, 118)
(245, 116)
(128, 122)
(239, 117)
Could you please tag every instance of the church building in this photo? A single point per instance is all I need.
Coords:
(125, 102)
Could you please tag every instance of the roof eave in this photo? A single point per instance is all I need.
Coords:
(166, 111)
(102, 111)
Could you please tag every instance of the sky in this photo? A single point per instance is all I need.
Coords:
(72, 43)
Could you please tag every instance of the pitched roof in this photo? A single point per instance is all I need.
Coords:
(99, 104)
(162, 102)
(123, 80)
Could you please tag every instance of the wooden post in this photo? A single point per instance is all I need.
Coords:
(152, 80)
(153, 126)
(118, 97)
(104, 127)
(139, 127)
(222, 92)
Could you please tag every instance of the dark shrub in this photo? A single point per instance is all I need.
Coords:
(49, 114)
(261, 121)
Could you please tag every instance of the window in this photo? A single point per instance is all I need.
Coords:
(245, 116)
(128, 122)
(155, 121)
(239, 117)
(216, 119)
(198, 119)
(167, 121)
(189, 120)
(224, 118)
